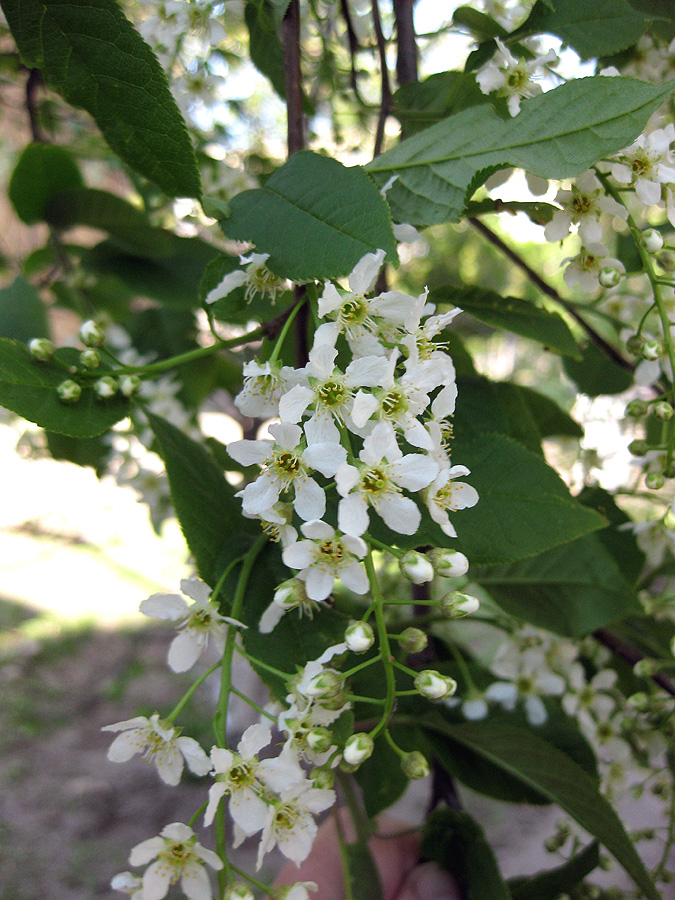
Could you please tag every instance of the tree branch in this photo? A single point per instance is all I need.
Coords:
(385, 103)
(551, 292)
(32, 84)
(631, 655)
(406, 62)
(353, 42)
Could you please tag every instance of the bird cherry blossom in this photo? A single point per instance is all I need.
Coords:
(583, 205)
(177, 856)
(511, 77)
(290, 821)
(256, 277)
(325, 556)
(446, 495)
(647, 164)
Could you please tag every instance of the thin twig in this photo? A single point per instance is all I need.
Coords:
(353, 42)
(551, 292)
(385, 104)
(406, 62)
(631, 655)
(32, 84)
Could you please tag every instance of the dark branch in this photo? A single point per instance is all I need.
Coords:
(32, 85)
(406, 62)
(385, 103)
(631, 655)
(353, 41)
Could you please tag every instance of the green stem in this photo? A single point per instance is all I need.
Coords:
(385, 649)
(385, 548)
(184, 699)
(196, 815)
(258, 662)
(265, 888)
(253, 704)
(363, 665)
(284, 331)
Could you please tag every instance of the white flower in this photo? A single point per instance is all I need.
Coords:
(290, 822)
(197, 621)
(286, 462)
(511, 77)
(378, 483)
(299, 890)
(584, 270)
(647, 164)
(589, 698)
(446, 495)
(177, 855)
(290, 594)
(264, 384)
(158, 741)
(128, 884)
(325, 556)
(256, 276)
(583, 205)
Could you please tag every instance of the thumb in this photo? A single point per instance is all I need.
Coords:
(428, 881)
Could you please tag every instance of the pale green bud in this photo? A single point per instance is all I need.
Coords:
(129, 385)
(653, 240)
(326, 684)
(457, 604)
(634, 344)
(637, 408)
(415, 765)
(416, 567)
(359, 637)
(319, 739)
(91, 334)
(609, 277)
(90, 358)
(655, 481)
(638, 447)
(448, 563)
(647, 667)
(323, 778)
(69, 391)
(434, 686)
(105, 387)
(652, 349)
(639, 701)
(238, 891)
(413, 640)
(663, 410)
(358, 748)
(41, 349)
(290, 593)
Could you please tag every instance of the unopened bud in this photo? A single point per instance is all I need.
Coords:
(652, 349)
(672, 646)
(431, 684)
(319, 739)
(647, 667)
(634, 345)
(457, 604)
(359, 637)
(653, 240)
(323, 778)
(41, 349)
(416, 567)
(90, 359)
(91, 334)
(129, 385)
(358, 748)
(413, 640)
(105, 387)
(655, 481)
(609, 277)
(663, 410)
(415, 765)
(639, 701)
(237, 890)
(326, 684)
(638, 448)
(448, 563)
(290, 593)
(637, 408)
(69, 391)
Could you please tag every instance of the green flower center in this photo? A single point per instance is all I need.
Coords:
(394, 403)
(332, 551)
(353, 311)
(374, 481)
(331, 393)
(287, 463)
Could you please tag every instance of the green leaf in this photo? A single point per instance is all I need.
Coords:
(489, 406)
(596, 373)
(22, 312)
(551, 420)
(422, 103)
(618, 542)
(28, 388)
(482, 26)
(456, 841)
(209, 514)
(265, 48)
(520, 752)
(556, 135)
(92, 451)
(663, 9)
(549, 885)
(315, 217)
(364, 878)
(524, 507)
(96, 59)
(42, 171)
(100, 209)
(593, 29)
(571, 590)
(511, 314)
(381, 777)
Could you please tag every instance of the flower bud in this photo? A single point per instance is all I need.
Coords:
(69, 391)
(91, 334)
(326, 684)
(415, 765)
(237, 890)
(652, 349)
(655, 481)
(358, 748)
(323, 778)
(609, 277)
(297, 891)
(636, 409)
(672, 646)
(457, 604)
(639, 701)
(653, 240)
(448, 563)
(129, 385)
(105, 387)
(638, 448)
(290, 593)
(634, 345)
(359, 637)
(90, 359)
(647, 667)
(413, 640)
(41, 349)
(416, 567)
(433, 685)
(319, 739)
(663, 410)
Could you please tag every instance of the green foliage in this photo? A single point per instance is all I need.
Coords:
(22, 312)
(265, 49)
(457, 842)
(556, 135)
(549, 885)
(597, 373)
(364, 879)
(42, 171)
(28, 388)
(92, 451)
(309, 232)
(95, 58)
(422, 103)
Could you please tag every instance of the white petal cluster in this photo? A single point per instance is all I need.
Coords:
(511, 77)
(255, 277)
